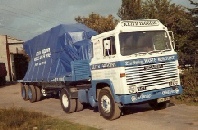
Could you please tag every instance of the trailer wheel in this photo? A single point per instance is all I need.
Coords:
(68, 104)
(108, 108)
(31, 93)
(158, 106)
(79, 106)
(38, 93)
(24, 92)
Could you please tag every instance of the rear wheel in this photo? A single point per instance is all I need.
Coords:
(38, 93)
(32, 93)
(108, 108)
(158, 106)
(68, 104)
(24, 92)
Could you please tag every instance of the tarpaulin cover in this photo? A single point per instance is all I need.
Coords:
(51, 53)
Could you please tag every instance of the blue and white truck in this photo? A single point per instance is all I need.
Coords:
(134, 63)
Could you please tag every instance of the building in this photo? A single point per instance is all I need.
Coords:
(12, 54)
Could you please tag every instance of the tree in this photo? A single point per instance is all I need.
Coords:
(173, 16)
(98, 23)
(130, 9)
(193, 37)
(194, 13)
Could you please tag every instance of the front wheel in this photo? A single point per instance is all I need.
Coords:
(68, 104)
(108, 108)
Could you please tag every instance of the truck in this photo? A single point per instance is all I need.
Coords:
(3, 74)
(133, 64)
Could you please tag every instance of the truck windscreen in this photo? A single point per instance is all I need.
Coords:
(143, 41)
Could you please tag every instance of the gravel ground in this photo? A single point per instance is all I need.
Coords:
(175, 117)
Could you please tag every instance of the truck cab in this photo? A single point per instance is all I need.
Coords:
(138, 63)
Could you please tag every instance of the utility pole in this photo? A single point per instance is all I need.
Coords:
(8, 57)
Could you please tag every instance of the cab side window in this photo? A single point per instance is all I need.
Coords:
(112, 50)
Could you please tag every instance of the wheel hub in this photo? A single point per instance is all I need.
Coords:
(105, 104)
(29, 94)
(65, 100)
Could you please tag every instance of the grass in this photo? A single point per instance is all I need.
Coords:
(187, 102)
(19, 119)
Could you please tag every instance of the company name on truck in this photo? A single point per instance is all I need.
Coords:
(140, 23)
(41, 56)
(136, 62)
(150, 60)
(104, 66)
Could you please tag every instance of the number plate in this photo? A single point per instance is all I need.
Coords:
(155, 66)
(141, 88)
(163, 99)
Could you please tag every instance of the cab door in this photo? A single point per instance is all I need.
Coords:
(104, 65)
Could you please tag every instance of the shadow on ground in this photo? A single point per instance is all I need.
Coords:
(8, 84)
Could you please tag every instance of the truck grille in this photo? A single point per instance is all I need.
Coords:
(152, 74)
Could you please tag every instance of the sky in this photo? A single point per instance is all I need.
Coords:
(24, 19)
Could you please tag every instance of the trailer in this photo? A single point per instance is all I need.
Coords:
(134, 63)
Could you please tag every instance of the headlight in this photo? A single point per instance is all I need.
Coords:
(173, 82)
(132, 89)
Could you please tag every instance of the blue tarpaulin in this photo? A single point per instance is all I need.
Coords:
(51, 53)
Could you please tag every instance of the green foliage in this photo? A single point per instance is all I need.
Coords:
(190, 86)
(130, 9)
(177, 18)
(98, 23)
(19, 119)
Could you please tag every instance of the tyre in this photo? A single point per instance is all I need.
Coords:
(79, 106)
(67, 104)
(108, 108)
(38, 93)
(24, 92)
(158, 106)
(31, 93)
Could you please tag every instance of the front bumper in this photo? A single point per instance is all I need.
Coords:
(150, 95)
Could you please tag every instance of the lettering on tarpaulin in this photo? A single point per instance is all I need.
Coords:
(41, 56)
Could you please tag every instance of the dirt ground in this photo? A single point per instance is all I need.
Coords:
(175, 117)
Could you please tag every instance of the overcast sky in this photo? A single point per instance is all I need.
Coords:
(24, 19)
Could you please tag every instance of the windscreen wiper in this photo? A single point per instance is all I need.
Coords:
(166, 50)
(154, 51)
(140, 53)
